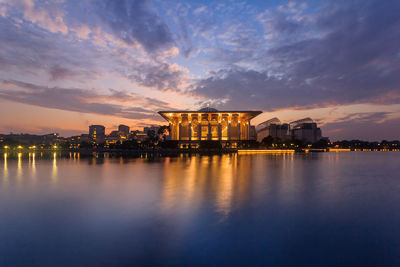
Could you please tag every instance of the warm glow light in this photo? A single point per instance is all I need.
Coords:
(266, 151)
(6, 147)
(19, 147)
(339, 149)
(54, 147)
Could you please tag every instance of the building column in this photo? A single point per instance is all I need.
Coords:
(248, 130)
(209, 131)
(179, 131)
(238, 130)
(170, 132)
(199, 131)
(190, 130)
(229, 130)
(219, 131)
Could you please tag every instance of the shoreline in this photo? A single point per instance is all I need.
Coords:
(174, 152)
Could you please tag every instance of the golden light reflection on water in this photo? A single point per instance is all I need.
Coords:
(178, 189)
(222, 180)
(32, 164)
(5, 170)
(19, 168)
(54, 170)
(227, 172)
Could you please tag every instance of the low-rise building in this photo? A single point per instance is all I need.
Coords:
(138, 136)
(208, 124)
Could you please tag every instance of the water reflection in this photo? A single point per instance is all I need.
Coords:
(19, 168)
(191, 181)
(32, 164)
(5, 170)
(157, 211)
(54, 170)
(227, 172)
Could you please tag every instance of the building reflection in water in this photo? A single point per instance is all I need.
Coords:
(221, 181)
(227, 172)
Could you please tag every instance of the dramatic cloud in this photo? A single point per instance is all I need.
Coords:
(267, 55)
(364, 126)
(355, 60)
(77, 100)
(31, 51)
(136, 21)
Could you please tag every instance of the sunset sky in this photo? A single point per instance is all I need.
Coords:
(67, 64)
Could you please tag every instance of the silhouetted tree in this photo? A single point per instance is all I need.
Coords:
(267, 141)
(162, 131)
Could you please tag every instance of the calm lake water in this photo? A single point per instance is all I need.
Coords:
(315, 209)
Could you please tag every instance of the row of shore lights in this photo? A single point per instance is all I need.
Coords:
(31, 147)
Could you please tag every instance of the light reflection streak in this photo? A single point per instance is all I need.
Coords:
(224, 191)
(19, 167)
(5, 170)
(179, 190)
(33, 165)
(203, 179)
(54, 172)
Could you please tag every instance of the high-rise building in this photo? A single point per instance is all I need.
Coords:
(97, 134)
(274, 128)
(304, 129)
(308, 132)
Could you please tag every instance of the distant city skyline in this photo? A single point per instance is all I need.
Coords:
(67, 65)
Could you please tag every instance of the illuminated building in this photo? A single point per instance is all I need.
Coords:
(227, 127)
(138, 136)
(113, 137)
(97, 134)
